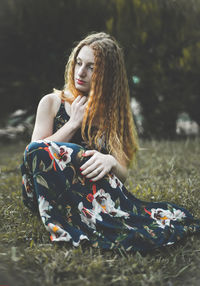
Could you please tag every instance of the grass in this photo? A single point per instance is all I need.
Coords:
(166, 171)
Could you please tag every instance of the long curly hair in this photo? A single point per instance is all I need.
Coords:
(108, 99)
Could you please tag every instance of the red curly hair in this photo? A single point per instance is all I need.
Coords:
(108, 99)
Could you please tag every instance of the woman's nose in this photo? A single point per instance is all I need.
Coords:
(81, 71)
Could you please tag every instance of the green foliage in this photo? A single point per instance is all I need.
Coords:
(166, 171)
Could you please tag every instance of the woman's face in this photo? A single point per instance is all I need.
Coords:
(84, 69)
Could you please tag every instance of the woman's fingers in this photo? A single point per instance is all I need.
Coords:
(85, 104)
(99, 176)
(90, 161)
(89, 153)
(81, 100)
(97, 166)
(94, 173)
(77, 110)
(77, 99)
(89, 166)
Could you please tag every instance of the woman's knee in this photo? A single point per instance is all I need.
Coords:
(62, 153)
(35, 148)
(34, 145)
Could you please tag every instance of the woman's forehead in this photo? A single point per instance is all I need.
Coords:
(86, 53)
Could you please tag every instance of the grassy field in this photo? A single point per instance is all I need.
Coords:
(166, 171)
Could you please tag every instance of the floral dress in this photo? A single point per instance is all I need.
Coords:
(104, 214)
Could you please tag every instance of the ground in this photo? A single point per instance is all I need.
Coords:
(165, 171)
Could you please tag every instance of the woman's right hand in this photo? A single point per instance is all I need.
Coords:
(77, 111)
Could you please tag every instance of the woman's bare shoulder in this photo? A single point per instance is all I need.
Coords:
(51, 98)
(52, 102)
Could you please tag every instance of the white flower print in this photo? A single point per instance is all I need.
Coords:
(114, 181)
(27, 185)
(164, 217)
(89, 216)
(61, 154)
(44, 206)
(59, 234)
(103, 202)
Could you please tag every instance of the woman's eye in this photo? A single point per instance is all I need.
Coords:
(78, 63)
(91, 68)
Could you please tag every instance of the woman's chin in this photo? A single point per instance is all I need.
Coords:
(81, 88)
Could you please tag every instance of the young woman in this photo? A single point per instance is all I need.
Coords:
(83, 141)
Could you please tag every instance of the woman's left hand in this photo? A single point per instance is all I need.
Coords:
(98, 165)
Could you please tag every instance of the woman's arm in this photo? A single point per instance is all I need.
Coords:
(46, 113)
(101, 164)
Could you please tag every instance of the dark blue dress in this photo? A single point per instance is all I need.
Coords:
(105, 213)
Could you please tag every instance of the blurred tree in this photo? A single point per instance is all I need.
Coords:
(154, 34)
(189, 62)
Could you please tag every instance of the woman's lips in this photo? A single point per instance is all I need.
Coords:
(81, 82)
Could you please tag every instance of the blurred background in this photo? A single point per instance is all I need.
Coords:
(161, 43)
